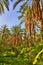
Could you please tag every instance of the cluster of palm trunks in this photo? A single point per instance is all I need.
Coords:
(36, 15)
(32, 15)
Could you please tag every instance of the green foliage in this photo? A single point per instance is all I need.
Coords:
(37, 49)
(20, 55)
(35, 61)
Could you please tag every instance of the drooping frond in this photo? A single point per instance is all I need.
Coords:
(2, 4)
(16, 3)
(24, 5)
(19, 17)
(1, 8)
(6, 3)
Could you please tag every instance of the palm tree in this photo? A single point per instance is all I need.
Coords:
(41, 22)
(5, 33)
(27, 15)
(37, 14)
(33, 31)
(16, 34)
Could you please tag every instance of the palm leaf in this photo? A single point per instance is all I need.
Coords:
(11, 0)
(6, 3)
(24, 5)
(22, 21)
(19, 17)
(16, 3)
(1, 8)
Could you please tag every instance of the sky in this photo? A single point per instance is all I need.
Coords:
(10, 18)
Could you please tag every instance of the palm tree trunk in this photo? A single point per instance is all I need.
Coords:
(41, 28)
(25, 37)
(34, 31)
(30, 39)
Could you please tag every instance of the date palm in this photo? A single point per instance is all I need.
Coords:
(5, 33)
(26, 15)
(30, 24)
(38, 14)
(16, 35)
(36, 9)
(41, 22)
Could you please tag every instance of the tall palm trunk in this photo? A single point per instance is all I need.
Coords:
(19, 40)
(28, 27)
(33, 31)
(30, 39)
(16, 39)
(41, 23)
(41, 28)
(25, 37)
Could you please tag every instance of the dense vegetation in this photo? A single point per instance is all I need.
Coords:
(16, 48)
(23, 46)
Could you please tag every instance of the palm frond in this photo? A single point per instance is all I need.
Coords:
(6, 3)
(22, 21)
(19, 17)
(1, 8)
(11, 0)
(24, 5)
(16, 3)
